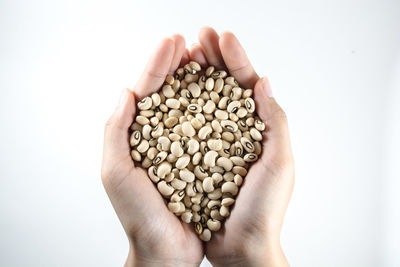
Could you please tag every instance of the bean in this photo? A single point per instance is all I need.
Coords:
(178, 184)
(204, 132)
(209, 107)
(213, 225)
(145, 103)
(183, 161)
(208, 184)
(142, 120)
(186, 175)
(187, 129)
(210, 158)
(230, 187)
(209, 84)
(143, 146)
(136, 155)
(250, 157)
(221, 114)
(194, 89)
(250, 105)
(225, 163)
(205, 235)
(227, 201)
(194, 108)
(255, 134)
(247, 145)
(224, 211)
(165, 189)
(168, 91)
(173, 103)
(164, 169)
(135, 138)
(176, 149)
(187, 216)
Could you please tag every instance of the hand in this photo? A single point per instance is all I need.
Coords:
(156, 236)
(251, 235)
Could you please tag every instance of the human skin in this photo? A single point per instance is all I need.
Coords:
(251, 235)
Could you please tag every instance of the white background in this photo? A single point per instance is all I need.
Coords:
(334, 67)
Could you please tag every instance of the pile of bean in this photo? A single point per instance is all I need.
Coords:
(197, 137)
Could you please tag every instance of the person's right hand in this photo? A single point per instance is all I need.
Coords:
(251, 235)
(156, 236)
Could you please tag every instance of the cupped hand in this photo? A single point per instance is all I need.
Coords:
(156, 236)
(251, 235)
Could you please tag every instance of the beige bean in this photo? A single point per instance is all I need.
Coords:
(210, 158)
(219, 74)
(233, 106)
(177, 196)
(247, 93)
(196, 158)
(165, 143)
(205, 235)
(225, 163)
(217, 178)
(146, 131)
(189, 78)
(239, 170)
(250, 157)
(136, 155)
(230, 187)
(143, 146)
(146, 162)
(224, 211)
(145, 103)
(255, 134)
(186, 175)
(174, 137)
(259, 125)
(219, 85)
(147, 113)
(176, 207)
(194, 89)
(213, 225)
(173, 103)
(204, 132)
(250, 105)
(188, 129)
(152, 172)
(165, 189)
(176, 149)
(229, 126)
(183, 161)
(199, 228)
(209, 107)
(221, 114)
(257, 148)
(238, 180)
(213, 204)
(247, 144)
(178, 184)
(214, 214)
(199, 186)
(237, 161)
(187, 216)
(164, 169)
(194, 108)
(136, 136)
(200, 173)
(209, 71)
(142, 120)
(155, 97)
(168, 91)
(214, 96)
(208, 184)
(152, 153)
(169, 79)
(227, 201)
(209, 84)
(241, 113)
(214, 144)
(216, 194)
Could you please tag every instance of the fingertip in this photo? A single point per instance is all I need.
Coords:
(197, 54)
(179, 51)
(185, 58)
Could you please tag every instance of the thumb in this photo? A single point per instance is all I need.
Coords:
(116, 134)
(276, 140)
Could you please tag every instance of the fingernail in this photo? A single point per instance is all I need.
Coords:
(267, 87)
(122, 98)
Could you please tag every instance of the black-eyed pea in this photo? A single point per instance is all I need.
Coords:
(176, 149)
(209, 71)
(183, 161)
(259, 125)
(219, 74)
(214, 144)
(193, 146)
(153, 142)
(164, 169)
(231, 81)
(177, 196)
(216, 194)
(136, 155)
(217, 179)
(208, 185)
(221, 114)
(209, 84)
(163, 107)
(199, 186)
(190, 190)
(250, 105)
(199, 228)
(165, 189)
(186, 200)
(214, 214)
(242, 125)
(201, 118)
(155, 97)
(250, 157)
(187, 129)
(145, 103)
(189, 78)
(247, 135)
(172, 103)
(178, 184)
(200, 173)
(171, 158)
(228, 136)
(255, 134)
(239, 170)
(202, 82)
(179, 74)
(247, 93)
(187, 216)
(229, 126)
(143, 146)
(206, 211)
(233, 106)
(210, 158)
(136, 127)
(225, 163)
(170, 176)
(147, 113)
(186, 175)
(216, 126)
(135, 138)
(196, 200)
(227, 201)
(247, 144)
(152, 172)
(164, 142)
(214, 96)
(230, 187)
(176, 207)
(194, 89)
(236, 93)
(257, 148)
(250, 121)
(237, 161)
(219, 85)
(204, 132)
(142, 120)
(146, 162)
(213, 204)
(209, 107)
(228, 176)
(224, 211)
(167, 91)
(196, 217)
(238, 180)
(204, 202)
(196, 123)
(196, 208)
(241, 113)
(174, 137)
(158, 130)
(226, 90)
(213, 225)
(146, 131)
(205, 235)
(152, 153)
(196, 158)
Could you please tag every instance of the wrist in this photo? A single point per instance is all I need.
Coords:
(268, 255)
(138, 259)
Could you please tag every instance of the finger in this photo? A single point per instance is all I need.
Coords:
(156, 69)
(276, 139)
(179, 51)
(236, 60)
(197, 54)
(116, 136)
(185, 58)
(209, 39)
